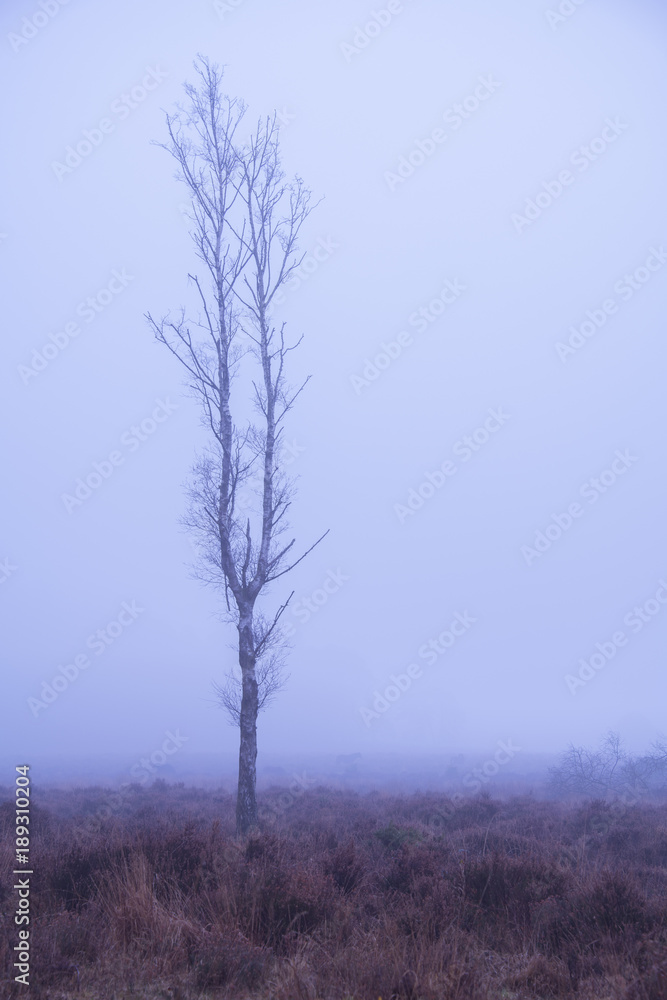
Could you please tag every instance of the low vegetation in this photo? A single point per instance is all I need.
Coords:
(150, 894)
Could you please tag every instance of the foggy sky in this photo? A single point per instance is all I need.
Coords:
(569, 111)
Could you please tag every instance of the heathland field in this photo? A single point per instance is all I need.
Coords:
(340, 896)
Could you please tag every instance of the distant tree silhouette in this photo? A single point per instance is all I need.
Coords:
(609, 770)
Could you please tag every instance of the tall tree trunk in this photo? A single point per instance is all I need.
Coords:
(246, 222)
(246, 802)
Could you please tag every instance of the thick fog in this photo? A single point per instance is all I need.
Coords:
(483, 311)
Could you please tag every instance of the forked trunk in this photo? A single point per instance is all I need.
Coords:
(246, 221)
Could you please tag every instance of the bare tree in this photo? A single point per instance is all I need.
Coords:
(610, 770)
(653, 765)
(246, 221)
(581, 771)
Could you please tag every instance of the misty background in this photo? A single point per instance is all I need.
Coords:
(364, 437)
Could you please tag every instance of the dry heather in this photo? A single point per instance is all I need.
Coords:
(341, 897)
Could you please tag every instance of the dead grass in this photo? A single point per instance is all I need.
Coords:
(342, 896)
